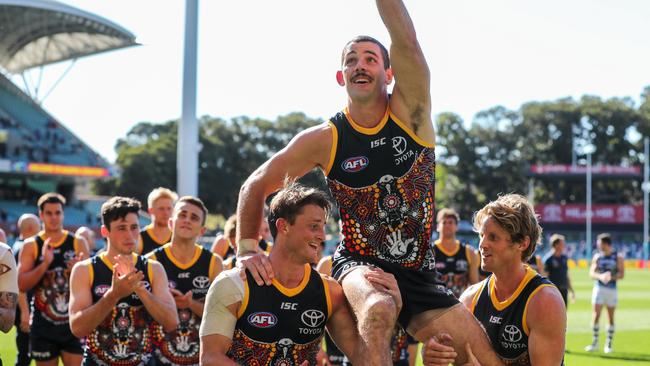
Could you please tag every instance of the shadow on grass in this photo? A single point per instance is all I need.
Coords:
(624, 356)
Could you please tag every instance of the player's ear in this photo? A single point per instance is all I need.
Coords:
(104, 231)
(339, 78)
(282, 225)
(389, 76)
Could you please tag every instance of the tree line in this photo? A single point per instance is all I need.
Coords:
(476, 161)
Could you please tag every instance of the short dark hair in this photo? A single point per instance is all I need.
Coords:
(556, 238)
(50, 197)
(117, 208)
(358, 39)
(289, 201)
(196, 202)
(447, 212)
(605, 238)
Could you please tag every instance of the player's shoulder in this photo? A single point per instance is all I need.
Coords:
(470, 292)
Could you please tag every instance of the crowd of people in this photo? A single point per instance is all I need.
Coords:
(264, 296)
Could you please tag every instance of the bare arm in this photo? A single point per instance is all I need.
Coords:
(8, 301)
(411, 99)
(546, 319)
(159, 302)
(620, 263)
(341, 325)
(307, 150)
(86, 316)
(28, 274)
(220, 246)
(592, 269)
(215, 353)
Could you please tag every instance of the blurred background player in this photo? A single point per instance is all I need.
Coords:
(160, 203)
(88, 234)
(606, 268)
(44, 268)
(28, 226)
(557, 268)
(190, 270)
(456, 262)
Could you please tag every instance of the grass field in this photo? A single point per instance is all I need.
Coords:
(631, 341)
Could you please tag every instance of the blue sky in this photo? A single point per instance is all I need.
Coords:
(268, 58)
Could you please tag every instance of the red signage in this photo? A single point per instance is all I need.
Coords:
(581, 169)
(577, 213)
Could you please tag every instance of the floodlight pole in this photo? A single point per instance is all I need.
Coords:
(187, 164)
(588, 213)
(646, 190)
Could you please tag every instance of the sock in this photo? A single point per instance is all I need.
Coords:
(610, 334)
(596, 329)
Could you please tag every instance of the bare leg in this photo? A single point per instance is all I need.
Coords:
(52, 362)
(71, 359)
(458, 322)
(376, 314)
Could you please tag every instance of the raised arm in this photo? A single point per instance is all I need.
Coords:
(546, 321)
(411, 99)
(307, 150)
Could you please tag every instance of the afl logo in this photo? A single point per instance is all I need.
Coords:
(511, 334)
(312, 318)
(355, 164)
(262, 320)
(399, 144)
(201, 282)
(101, 290)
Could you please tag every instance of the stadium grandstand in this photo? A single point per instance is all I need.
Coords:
(38, 153)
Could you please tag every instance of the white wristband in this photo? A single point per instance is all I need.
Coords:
(246, 246)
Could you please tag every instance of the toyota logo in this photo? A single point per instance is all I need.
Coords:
(399, 144)
(312, 318)
(201, 282)
(511, 334)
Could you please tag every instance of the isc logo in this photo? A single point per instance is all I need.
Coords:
(262, 319)
(355, 164)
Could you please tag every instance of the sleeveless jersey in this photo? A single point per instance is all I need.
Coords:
(453, 267)
(606, 263)
(124, 337)
(149, 242)
(181, 346)
(383, 181)
(505, 322)
(51, 295)
(277, 326)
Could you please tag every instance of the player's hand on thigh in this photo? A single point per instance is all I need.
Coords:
(471, 359)
(259, 266)
(437, 351)
(386, 282)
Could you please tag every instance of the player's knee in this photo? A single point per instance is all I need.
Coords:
(380, 311)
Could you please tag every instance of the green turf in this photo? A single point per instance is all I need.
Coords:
(631, 342)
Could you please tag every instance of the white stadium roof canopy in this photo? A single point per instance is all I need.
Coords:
(40, 32)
